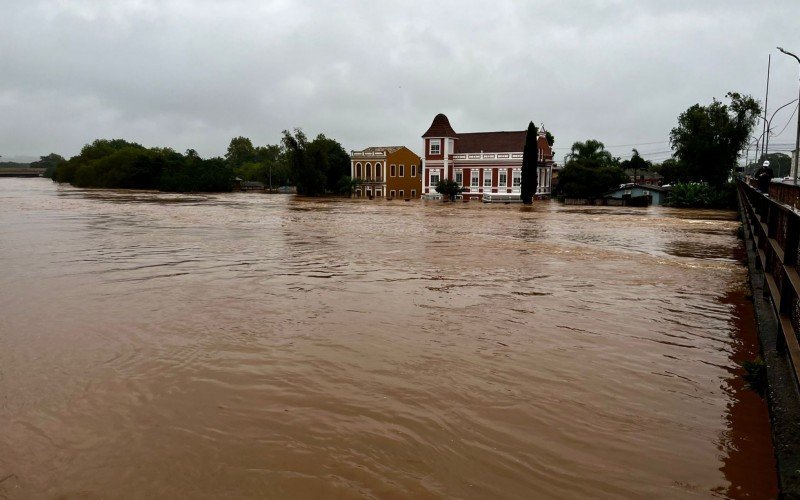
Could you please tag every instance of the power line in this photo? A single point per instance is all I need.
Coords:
(788, 121)
(625, 145)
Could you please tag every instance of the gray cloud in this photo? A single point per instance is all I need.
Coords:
(196, 73)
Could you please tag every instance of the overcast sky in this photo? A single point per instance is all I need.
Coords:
(195, 73)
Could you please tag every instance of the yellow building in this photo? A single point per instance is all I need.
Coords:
(386, 172)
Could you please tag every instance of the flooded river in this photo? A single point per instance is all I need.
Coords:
(245, 345)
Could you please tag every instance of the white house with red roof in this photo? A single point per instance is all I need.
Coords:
(484, 163)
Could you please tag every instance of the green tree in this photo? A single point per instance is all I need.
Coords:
(635, 165)
(673, 171)
(124, 165)
(591, 153)
(347, 186)
(530, 164)
(449, 188)
(708, 139)
(550, 139)
(240, 151)
(317, 166)
(309, 181)
(590, 171)
(49, 163)
(332, 160)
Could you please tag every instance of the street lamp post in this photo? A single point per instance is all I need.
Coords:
(768, 127)
(797, 140)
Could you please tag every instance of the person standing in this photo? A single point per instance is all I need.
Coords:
(764, 176)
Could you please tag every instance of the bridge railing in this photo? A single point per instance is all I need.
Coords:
(775, 236)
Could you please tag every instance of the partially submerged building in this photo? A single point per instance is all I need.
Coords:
(481, 162)
(386, 172)
(637, 195)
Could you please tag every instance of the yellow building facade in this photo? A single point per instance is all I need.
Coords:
(386, 172)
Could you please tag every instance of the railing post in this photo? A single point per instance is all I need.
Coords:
(792, 240)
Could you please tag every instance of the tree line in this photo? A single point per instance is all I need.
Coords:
(706, 144)
(316, 167)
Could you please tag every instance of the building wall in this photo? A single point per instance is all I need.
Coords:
(371, 171)
(410, 185)
(449, 164)
(659, 197)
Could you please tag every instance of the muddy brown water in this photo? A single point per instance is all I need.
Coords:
(245, 345)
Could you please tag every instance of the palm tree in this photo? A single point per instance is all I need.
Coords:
(590, 153)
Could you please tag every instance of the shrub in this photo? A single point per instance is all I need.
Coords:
(694, 195)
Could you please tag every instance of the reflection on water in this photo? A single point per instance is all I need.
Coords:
(247, 345)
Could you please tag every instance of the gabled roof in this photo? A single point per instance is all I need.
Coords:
(380, 149)
(440, 128)
(647, 187)
(491, 141)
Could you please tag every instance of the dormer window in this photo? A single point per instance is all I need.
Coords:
(436, 146)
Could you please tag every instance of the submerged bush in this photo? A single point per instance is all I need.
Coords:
(756, 375)
(118, 164)
(693, 195)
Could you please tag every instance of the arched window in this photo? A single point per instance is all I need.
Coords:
(358, 170)
(378, 171)
(369, 171)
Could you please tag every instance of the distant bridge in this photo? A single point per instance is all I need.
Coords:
(21, 172)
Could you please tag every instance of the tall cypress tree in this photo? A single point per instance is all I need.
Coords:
(530, 164)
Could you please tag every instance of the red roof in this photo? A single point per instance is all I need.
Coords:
(491, 142)
(440, 128)
(487, 142)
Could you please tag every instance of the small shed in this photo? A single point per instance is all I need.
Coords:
(253, 186)
(634, 194)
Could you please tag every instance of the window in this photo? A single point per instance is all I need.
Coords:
(402, 170)
(392, 193)
(402, 194)
(413, 193)
(392, 170)
(413, 170)
(475, 179)
(358, 170)
(436, 146)
(434, 177)
(378, 193)
(517, 179)
(503, 179)
(378, 171)
(487, 177)
(368, 171)
(358, 193)
(459, 177)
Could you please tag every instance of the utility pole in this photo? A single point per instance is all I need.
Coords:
(766, 104)
(797, 139)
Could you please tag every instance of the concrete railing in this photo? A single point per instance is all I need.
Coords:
(775, 235)
(783, 192)
(772, 234)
